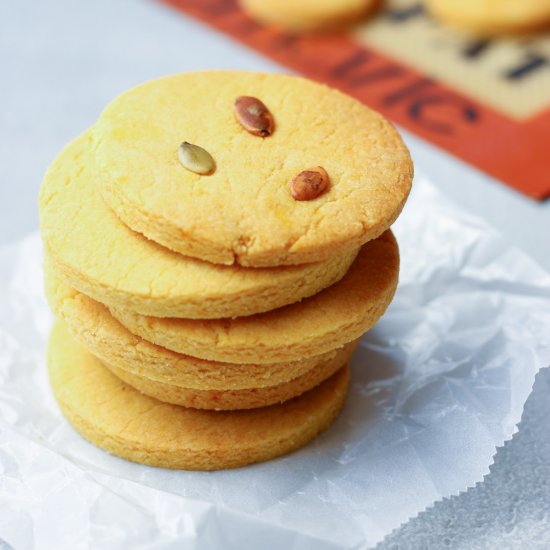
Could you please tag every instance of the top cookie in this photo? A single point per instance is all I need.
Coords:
(244, 212)
(492, 17)
(308, 15)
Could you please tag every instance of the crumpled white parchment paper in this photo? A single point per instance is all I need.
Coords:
(438, 384)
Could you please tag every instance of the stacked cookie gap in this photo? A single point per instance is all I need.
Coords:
(177, 345)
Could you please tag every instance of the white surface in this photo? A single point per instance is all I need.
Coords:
(438, 385)
(510, 510)
(62, 60)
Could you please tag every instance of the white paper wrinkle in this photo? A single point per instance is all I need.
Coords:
(438, 385)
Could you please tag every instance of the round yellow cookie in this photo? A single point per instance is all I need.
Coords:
(339, 314)
(308, 15)
(244, 212)
(126, 423)
(97, 254)
(492, 17)
(228, 400)
(181, 379)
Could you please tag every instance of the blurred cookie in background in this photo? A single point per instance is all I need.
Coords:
(492, 17)
(308, 15)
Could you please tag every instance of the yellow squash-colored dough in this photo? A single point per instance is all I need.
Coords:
(97, 254)
(181, 379)
(244, 212)
(229, 400)
(122, 421)
(316, 325)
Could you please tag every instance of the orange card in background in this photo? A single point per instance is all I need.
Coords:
(487, 102)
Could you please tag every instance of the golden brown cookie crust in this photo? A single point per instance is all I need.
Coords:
(492, 17)
(244, 213)
(97, 254)
(122, 421)
(330, 319)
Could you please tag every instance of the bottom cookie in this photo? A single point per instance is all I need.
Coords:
(122, 421)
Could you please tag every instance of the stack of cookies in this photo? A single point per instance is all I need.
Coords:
(215, 247)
